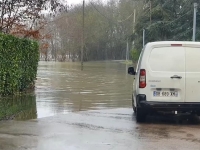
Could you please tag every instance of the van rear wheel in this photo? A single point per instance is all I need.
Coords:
(140, 115)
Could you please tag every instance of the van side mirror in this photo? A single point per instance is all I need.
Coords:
(131, 71)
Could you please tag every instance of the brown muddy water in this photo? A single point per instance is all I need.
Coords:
(63, 87)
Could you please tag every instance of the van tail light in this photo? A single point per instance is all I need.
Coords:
(142, 81)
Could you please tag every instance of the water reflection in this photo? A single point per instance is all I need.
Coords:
(63, 87)
(18, 107)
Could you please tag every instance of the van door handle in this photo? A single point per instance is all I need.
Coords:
(176, 77)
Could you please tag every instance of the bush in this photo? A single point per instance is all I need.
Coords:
(135, 54)
(18, 64)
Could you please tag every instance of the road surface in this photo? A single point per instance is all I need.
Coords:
(111, 129)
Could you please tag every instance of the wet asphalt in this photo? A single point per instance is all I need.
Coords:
(111, 129)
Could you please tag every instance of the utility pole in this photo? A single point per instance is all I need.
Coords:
(83, 35)
(134, 20)
(127, 47)
(143, 38)
(150, 10)
(127, 50)
(194, 22)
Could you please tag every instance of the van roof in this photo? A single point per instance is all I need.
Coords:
(169, 43)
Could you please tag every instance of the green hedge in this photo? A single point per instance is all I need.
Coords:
(18, 64)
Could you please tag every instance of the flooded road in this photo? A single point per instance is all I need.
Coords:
(63, 87)
(86, 110)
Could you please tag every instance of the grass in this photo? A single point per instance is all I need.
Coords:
(127, 62)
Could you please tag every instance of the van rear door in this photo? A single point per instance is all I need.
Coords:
(166, 74)
(192, 74)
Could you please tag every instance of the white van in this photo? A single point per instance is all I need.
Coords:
(167, 79)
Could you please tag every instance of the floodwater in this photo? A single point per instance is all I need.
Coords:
(62, 88)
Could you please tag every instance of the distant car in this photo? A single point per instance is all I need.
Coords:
(167, 79)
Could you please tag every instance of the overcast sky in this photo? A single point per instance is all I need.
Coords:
(79, 1)
(74, 1)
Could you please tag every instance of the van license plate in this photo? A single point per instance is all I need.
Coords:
(165, 93)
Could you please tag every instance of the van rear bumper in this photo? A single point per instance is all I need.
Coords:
(167, 106)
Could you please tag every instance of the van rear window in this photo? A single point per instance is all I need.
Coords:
(167, 59)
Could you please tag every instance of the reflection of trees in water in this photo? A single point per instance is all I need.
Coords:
(18, 107)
